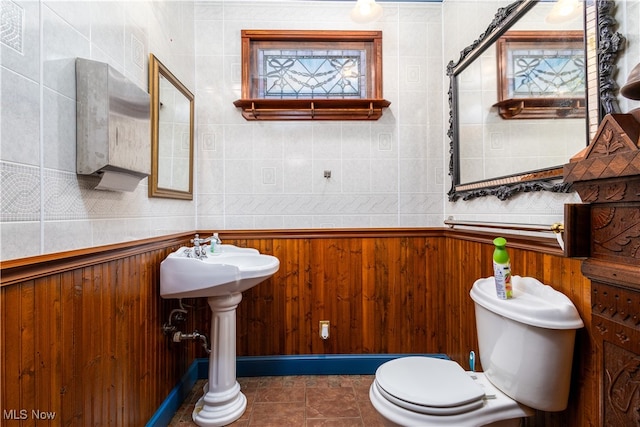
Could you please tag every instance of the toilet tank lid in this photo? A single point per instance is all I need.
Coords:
(533, 303)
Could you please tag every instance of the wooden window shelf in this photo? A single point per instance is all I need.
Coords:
(541, 108)
(312, 109)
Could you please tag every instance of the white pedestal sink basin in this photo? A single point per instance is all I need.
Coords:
(221, 278)
(231, 271)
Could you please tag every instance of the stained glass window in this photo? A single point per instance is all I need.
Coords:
(305, 73)
(539, 72)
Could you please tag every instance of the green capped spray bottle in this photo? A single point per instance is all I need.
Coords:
(502, 268)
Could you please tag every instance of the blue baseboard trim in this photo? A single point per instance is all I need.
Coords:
(259, 366)
(171, 404)
(316, 364)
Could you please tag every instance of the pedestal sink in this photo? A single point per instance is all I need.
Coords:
(221, 278)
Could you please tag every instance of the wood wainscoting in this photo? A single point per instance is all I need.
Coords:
(81, 337)
(81, 331)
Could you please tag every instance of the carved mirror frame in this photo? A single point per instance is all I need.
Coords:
(600, 38)
(158, 70)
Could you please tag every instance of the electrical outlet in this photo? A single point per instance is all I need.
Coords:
(324, 328)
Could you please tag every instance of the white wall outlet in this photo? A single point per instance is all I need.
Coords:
(324, 329)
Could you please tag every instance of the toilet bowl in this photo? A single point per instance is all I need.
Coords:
(526, 349)
(424, 391)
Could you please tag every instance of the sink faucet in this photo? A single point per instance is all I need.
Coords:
(198, 250)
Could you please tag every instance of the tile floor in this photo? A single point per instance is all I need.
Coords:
(297, 401)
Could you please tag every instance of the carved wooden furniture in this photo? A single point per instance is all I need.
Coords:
(607, 178)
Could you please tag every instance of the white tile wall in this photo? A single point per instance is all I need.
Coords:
(388, 173)
(45, 206)
(374, 165)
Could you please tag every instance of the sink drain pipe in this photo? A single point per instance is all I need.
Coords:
(195, 335)
(169, 329)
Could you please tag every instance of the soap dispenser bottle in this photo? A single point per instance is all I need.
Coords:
(215, 244)
(502, 269)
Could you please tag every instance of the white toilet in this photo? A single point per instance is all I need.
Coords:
(526, 349)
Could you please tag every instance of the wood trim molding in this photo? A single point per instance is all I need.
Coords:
(312, 109)
(326, 233)
(18, 270)
(530, 243)
(22, 269)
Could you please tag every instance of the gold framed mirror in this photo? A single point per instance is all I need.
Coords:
(172, 111)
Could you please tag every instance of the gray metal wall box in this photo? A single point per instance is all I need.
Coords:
(113, 138)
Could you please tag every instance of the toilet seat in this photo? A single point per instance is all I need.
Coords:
(495, 406)
(429, 385)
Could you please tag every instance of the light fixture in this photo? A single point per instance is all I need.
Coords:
(366, 11)
(564, 11)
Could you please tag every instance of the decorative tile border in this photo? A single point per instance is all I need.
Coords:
(20, 192)
(12, 25)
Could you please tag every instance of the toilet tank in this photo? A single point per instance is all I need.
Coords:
(526, 343)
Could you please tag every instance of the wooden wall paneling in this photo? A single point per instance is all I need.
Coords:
(28, 372)
(48, 319)
(155, 341)
(432, 294)
(301, 305)
(372, 290)
(76, 360)
(385, 326)
(143, 360)
(297, 282)
(279, 304)
(349, 300)
(13, 348)
(263, 326)
(452, 265)
(413, 270)
(244, 316)
(326, 307)
(122, 305)
(400, 303)
(322, 276)
(413, 276)
(379, 273)
(90, 345)
(81, 336)
(396, 303)
(368, 321)
(394, 292)
(112, 341)
(44, 337)
(267, 323)
(465, 264)
(67, 350)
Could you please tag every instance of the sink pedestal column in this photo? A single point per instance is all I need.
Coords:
(222, 402)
